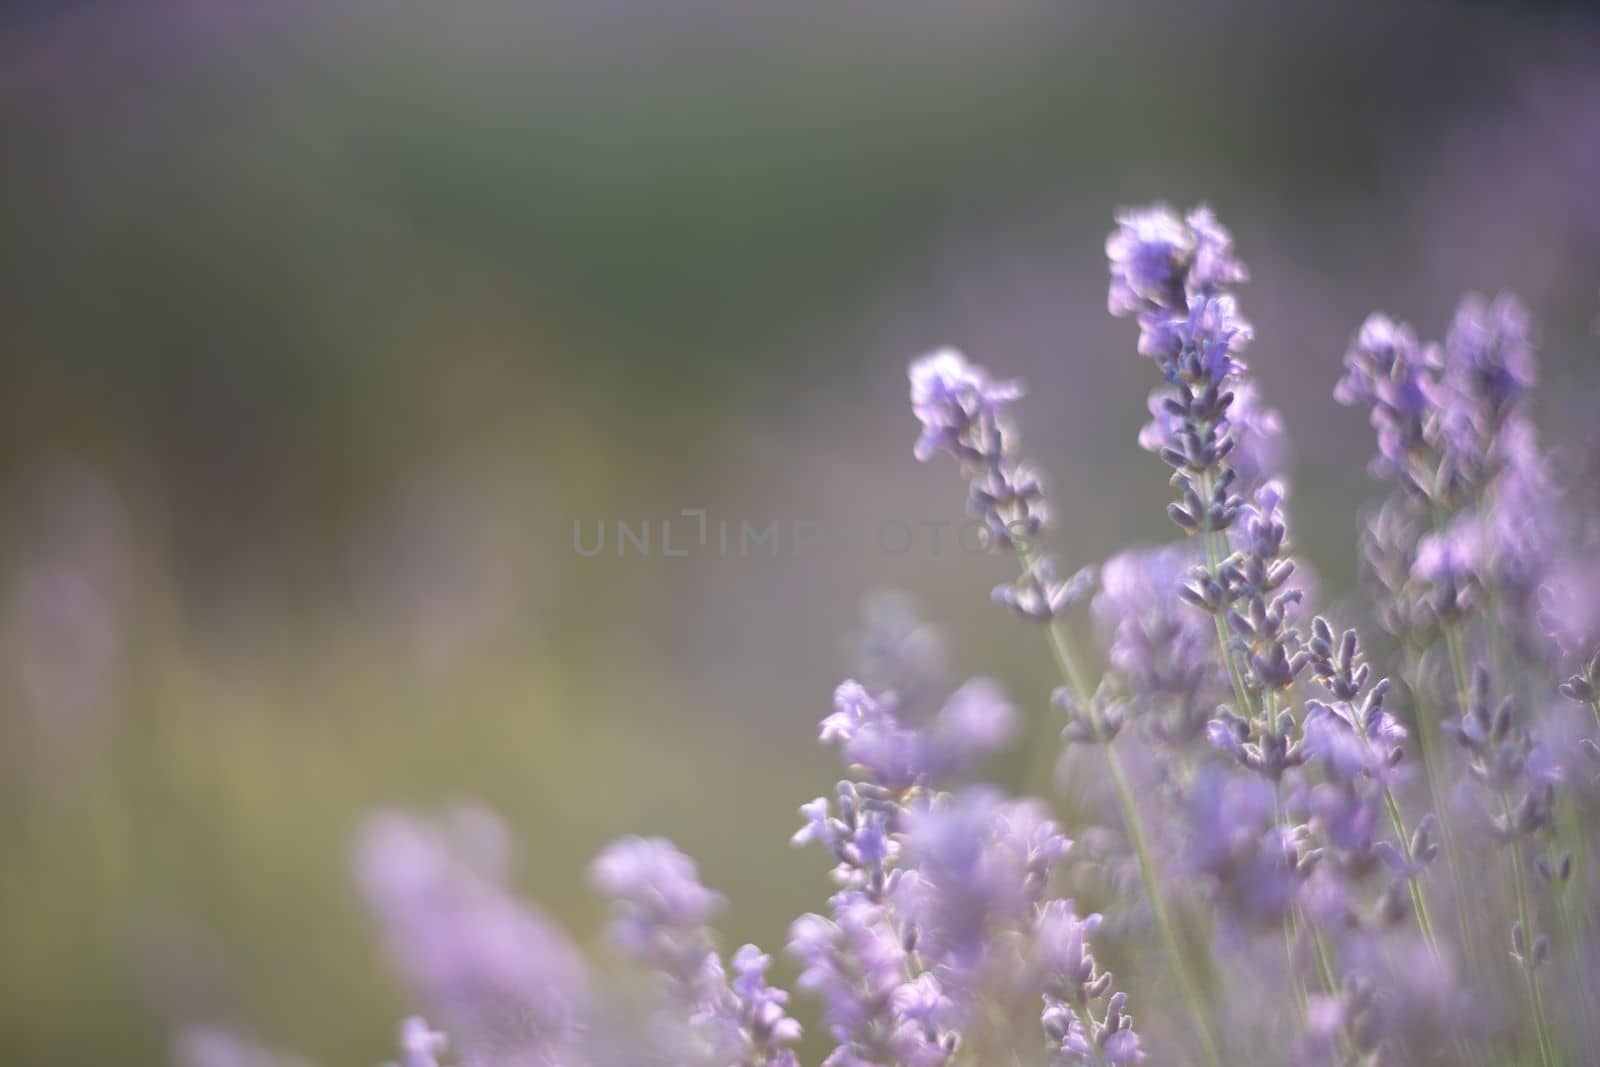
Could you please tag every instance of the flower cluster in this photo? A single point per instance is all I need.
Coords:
(942, 895)
(1279, 783)
(1161, 651)
(967, 416)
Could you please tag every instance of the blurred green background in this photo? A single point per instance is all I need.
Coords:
(320, 324)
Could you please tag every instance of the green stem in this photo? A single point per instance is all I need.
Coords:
(1330, 986)
(1418, 902)
(1241, 696)
(1433, 767)
(1458, 663)
(1224, 646)
(1066, 662)
(1519, 880)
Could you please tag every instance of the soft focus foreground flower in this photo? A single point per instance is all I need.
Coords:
(505, 982)
(662, 912)
(210, 1046)
(420, 1044)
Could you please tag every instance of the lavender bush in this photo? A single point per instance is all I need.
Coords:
(1316, 842)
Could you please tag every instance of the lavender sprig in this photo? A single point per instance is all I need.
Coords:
(933, 887)
(420, 1044)
(1174, 275)
(1074, 985)
(1454, 431)
(1515, 770)
(965, 414)
(502, 979)
(1359, 740)
(662, 912)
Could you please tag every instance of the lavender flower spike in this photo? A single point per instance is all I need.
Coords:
(501, 978)
(1073, 984)
(420, 1044)
(662, 912)
(213, 1046)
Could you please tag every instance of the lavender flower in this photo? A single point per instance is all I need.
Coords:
(1388, 370)
(1450, 564)
(1250, 592)
(975, 720)
(1073, 985)
(1401, 1006)
(505, 981)
(1356, 735)
(662, 912)
(1505, 758)
(212, 1046)
(1160, 262)
(933, 928)
(1150, 253)
(1489, 358)
(1453, 429)
(1162, 650)
(965, 414)
(1253, 863)
(857, 964)
(420, 1044)
(983, 864)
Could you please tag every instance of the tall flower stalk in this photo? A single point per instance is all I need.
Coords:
(965, 414)
(1455, 437)
(1175, 276)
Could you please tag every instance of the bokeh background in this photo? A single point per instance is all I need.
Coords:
(320, 325)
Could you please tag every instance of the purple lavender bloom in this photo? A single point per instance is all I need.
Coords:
(896, 650)
(1389, 539)
(1150, 252)
(1162, 649)
(420, 1044)
(1211, 333)
(975, 720)
(1234, 839)
(661, 907)
(857, 964)
(1387, 369)
(1073, 982)
(1193, 329)
(1353, 741)
(506, 983)
(965, 414)
(1262, 450)
(211, 1046)
(1488, 355)
(742, 1023)
(1159, 261)
(1215, 268)
(1506, 759)
(1569, 603)
(1452, 563)
(1402, 1001)
(1257, 596)
(661, 916)
(959, 406)
(986, 861)
(1452, 557)
(1530, 529)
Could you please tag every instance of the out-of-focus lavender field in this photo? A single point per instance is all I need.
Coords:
(321, 326)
